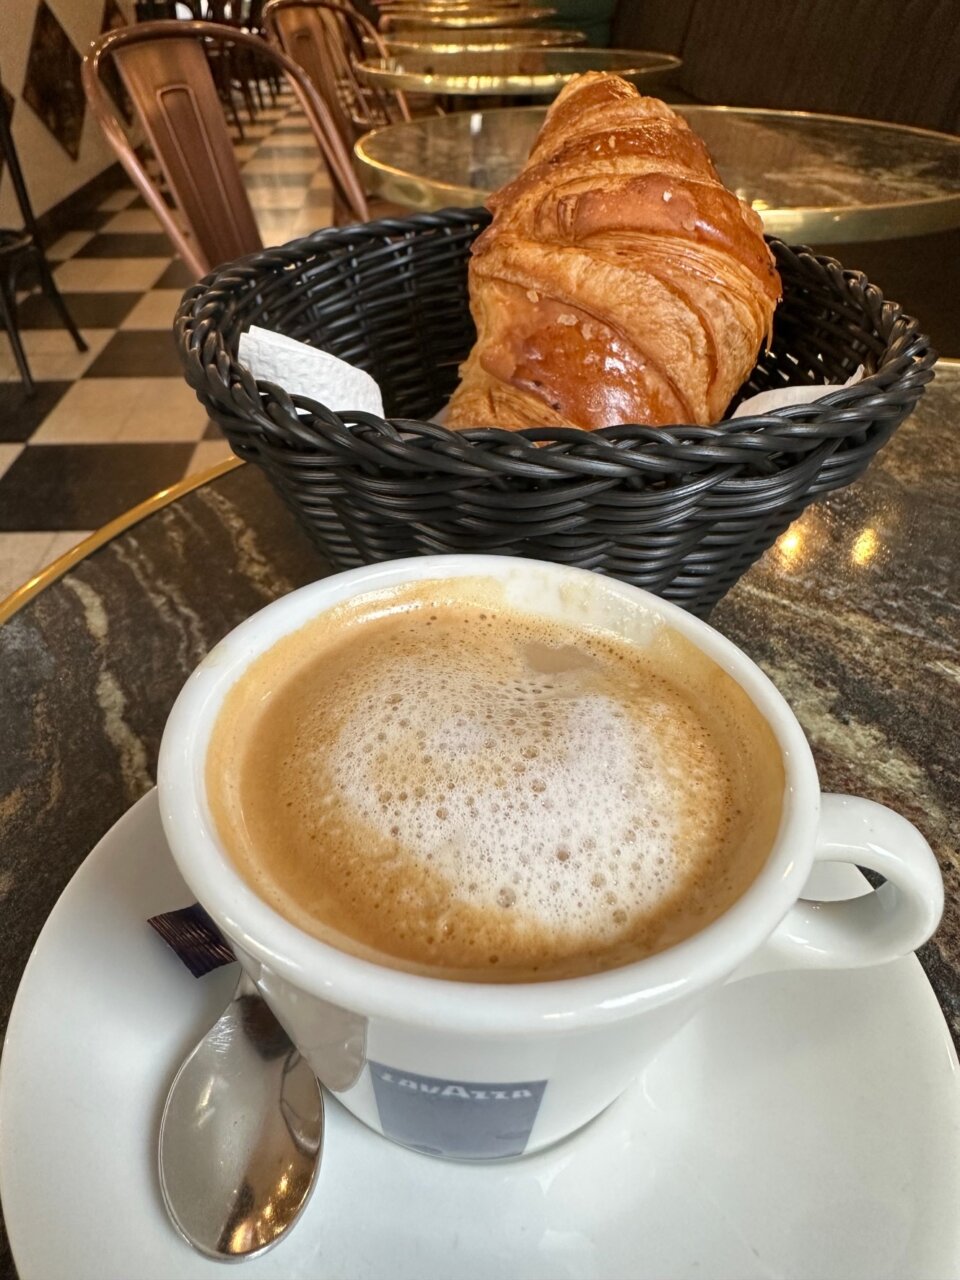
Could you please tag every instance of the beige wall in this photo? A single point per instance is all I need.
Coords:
(51, 175)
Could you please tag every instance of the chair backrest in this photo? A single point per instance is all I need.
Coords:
(164, 68)
(327, 39)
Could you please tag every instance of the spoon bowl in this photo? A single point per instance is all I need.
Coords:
(242, 1134)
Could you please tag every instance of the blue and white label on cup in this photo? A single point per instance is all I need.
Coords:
(462, 1119)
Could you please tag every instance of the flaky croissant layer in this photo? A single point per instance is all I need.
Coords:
(619, 280)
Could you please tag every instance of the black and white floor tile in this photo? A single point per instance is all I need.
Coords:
(110, 426)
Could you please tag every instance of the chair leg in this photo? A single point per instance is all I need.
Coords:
(221, 79)
(244, 86)
(235, 75)
(236, 114)
(8, 313)
(255, 79)
(49, 287)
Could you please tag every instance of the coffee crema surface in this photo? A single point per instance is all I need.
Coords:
(432, 779)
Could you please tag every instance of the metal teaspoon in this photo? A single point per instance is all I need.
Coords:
(241, 1135)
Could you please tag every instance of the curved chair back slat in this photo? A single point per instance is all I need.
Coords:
(173, 91)
(164, 68)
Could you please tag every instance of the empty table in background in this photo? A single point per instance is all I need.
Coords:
(504, 16)
(455, 8)
(533, 72)
(403, 8)
(484, 39)
(812, 178)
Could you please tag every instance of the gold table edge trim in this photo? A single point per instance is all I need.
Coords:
(22, 595)
(445, 47)
(462, 22)
(57, 568)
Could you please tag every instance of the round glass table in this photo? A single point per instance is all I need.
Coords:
(417, 19)
(811, 177)
(484, 39)
(510, 71)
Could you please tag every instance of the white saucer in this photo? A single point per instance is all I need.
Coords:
(805, 1126)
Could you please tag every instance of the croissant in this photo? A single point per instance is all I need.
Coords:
(619, 280)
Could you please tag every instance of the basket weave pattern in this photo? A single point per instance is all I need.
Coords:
(681, 511)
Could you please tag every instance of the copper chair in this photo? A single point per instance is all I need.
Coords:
(326, 38)
(164, 69)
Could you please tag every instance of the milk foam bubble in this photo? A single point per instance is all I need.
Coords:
(528, 792)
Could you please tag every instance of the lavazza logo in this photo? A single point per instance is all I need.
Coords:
(442, 1089)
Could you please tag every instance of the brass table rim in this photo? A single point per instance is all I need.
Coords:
(478, 42)
(373, 71)
(527, 17)
(886, 220)
(100, 537)
(402, 8)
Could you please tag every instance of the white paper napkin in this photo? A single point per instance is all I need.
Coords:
(783, 397)
(305, 371)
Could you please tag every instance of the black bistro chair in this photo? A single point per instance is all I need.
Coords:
(20, 252)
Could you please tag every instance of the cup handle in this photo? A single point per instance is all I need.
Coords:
(880, 925)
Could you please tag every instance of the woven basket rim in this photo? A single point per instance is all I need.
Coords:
(614, 443)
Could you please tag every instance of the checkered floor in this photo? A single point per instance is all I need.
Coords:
(109, 427)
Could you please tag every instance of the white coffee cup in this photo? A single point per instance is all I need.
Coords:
(482, 1071)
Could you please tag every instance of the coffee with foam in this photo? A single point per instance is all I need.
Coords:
(434, 779)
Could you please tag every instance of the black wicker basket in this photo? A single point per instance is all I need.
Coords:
(681, 511)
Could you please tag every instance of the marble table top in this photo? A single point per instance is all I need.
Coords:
(855, 615)
(533, 72)
(813, 178)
